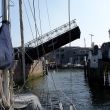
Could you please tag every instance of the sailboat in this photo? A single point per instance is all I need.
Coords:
(9, 101)
(27, 100)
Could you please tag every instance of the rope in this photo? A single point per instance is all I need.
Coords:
(40, 27)
(32, 34)
(60, 90)
(71, 82)
(25, 53)
(36, 29)
(28, 19)
(50, 29)
(68, 99)
(50, 99)
(54, 55)
(33, 15)
(48, 15)
(60, 104)
(39, 18)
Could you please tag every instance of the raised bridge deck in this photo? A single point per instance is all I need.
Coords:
(51, 41)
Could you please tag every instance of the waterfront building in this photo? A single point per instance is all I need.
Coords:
(68, 55)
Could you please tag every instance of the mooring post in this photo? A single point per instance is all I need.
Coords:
(106, 76)
(85, 67)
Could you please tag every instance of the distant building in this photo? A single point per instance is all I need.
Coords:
(68, 55)
(105, 51)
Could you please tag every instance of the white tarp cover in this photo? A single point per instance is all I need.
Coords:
(6, 50)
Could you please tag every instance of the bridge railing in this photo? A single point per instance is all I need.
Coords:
(52, 34)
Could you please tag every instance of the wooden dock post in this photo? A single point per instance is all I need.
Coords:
(106, 74)
(95, 67)
(85, 67)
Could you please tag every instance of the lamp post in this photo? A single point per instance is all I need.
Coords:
(84, 42)
(91, 38)
(109, 33)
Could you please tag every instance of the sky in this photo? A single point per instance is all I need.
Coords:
(92, 17)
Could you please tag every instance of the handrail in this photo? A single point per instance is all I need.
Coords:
(52, 34)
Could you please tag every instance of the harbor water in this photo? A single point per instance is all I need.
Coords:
(67, 87)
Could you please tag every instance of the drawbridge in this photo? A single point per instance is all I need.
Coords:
(51, 41)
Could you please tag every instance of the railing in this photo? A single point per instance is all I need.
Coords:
(52, 34)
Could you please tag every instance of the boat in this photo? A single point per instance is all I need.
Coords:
(25, 65)
(9, 101)
(78, 66)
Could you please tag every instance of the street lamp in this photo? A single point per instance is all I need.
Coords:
(109, 33)
(91, 38)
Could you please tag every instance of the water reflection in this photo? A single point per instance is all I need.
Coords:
(100, 97)
(70, 87)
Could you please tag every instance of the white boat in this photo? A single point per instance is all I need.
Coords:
(78, 66)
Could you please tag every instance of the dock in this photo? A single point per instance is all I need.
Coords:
(97, 69)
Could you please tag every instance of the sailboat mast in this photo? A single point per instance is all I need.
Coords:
(22, 39)
(5, 10)
(6, 75)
